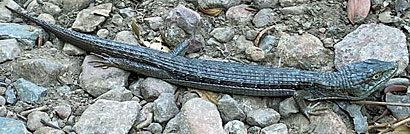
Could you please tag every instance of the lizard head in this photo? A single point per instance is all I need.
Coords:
(365, 77)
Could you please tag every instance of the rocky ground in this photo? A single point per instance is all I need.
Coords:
(48, 86)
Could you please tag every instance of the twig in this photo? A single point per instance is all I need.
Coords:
(381, 103)
(385, 112)
(392, 127)
(260, 34)
(42, 108)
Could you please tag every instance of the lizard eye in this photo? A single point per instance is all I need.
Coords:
(377, 76)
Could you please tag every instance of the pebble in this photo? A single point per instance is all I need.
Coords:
(223, 34)
(10, 95)
(155, 128)
(87, 21)
(295, 10)
(34, 120)
(173, 125)
(266, 3)
(165, 108)
(262, 117)
(235, 127)
(103, 33)
(209, 4)
(255, 53)
(229, 109)
(73, 50)
(50, 8)
(254, 130)
(28, 91)
(108, 116)
(47, 18)
(151, 88)
(279, 128)
(288, 107)
(242, 44)
(154, 22)
(267, 43)
(2, 101)
(9, 50)
(117, 94)
(373, 41)
(239, 15)
(43, 71)
(264, 17)
(128, 12)
(48, 130)
(126, 37)
(249, 103)
(63, 111)
(117, 19)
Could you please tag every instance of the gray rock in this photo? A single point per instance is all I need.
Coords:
(249, 103)
(288, 107)
(172, 126)
(174, 35)
(223, 34)
(242, 44)
(152, 88)
(213, 42)
(144, 132)
(87, 21)
(34, 120)
(97, 81)
(267, 43)
(5, 14)
(199, 116)
(47, 18)
(164, 107)
(135, 87)
(3, 111)
(12, 126)
(34, 6)
(279, 128)
(186, 18)
(2, 101)
(44, 71)
(188, 96)
(266, 3)
(70, 5)
(108, 116)
(262, 117)
(295, 10)
(10, 95)
(239, 15)
(64, 89)
(28, 91)
(155, 128)
(235, 127)
(230, 109)
(304, 51)
(264, 17)
(117, 94)
(9, 50)
(254, 130)
(386, 17)
(117, 19)
(146, 115)
(126, 37)
(398, 111)
(103, 33)
(372, 41)
(73, 50)
(328, 122)
(50, 8)
(128, 12)
(3, 90)
(25, 34)
(48, 130)
(63, 111)
(154, 22)
(207, 4)
(286, 3)
(254, 53)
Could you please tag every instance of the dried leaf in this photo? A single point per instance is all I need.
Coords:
(357, 10)
(211, 11)
(137, 31)
(208, 95)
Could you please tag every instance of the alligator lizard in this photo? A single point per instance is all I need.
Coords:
(354, 81)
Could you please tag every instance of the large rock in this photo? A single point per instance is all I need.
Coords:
(165, 108)
(199, 116)
(108, 116)
(9, 50)
(28, 91)
(87, 20)
(27, 35)
(12, 126)
(373, 41)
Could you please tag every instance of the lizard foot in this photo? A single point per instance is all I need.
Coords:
(104, 63)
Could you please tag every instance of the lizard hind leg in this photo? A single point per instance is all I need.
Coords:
(180, 49)
(307, 110)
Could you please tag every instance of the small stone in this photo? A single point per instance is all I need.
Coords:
(126, 37)
(242, 44)
(2, 101)
(117, 19)
(48, 130)
(279, 128)
(207, 4)
(2, 90)
(264, 17)
(73, 50)
(239, 14)
(128, 12)
(254, 130)
(251, 34)
(173, 125)
(87, 20)
(188, 96)
(28, 91)
(262, 117)
(286, 3)
(398, 111)
(144, 132)
(155, 128)
(267, 43)
(26, 34)
(295, 10)
(386, 17)
(12, 126)
(63, 111)
(322, 30)
(223, 34)
(34, 120)
(250, 103)
(266, 3)
(10, 96)
(9, 50)
(47, 18)
(255, 53)
(108, 116)
(103, 33)
(154, 22)
(5, 14)
(152, 88)
(50, 8)
(235, 127)
(97, 81)
(187, 19)
(165, 108)
(117, 94)
(328, 42)
(200, 116)
(230, 109)
(64, 89)
(287, 107)
(135, 87)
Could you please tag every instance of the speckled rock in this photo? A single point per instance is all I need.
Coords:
(230, 109)
(152, 88)
(9, 50)
(239, 14)
(262, 117)
(235, 127)
(87, 20)
(12, 126)
(28, 91)
(224, 34)
(34, 120)
(164, 107)
(279, 128)
(26, 34)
